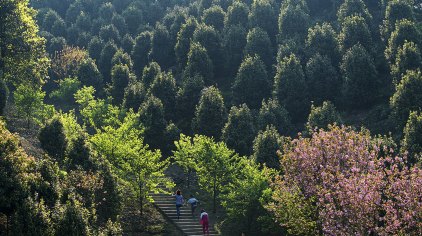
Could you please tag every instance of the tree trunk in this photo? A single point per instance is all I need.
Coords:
(141, 199)
(7, 224)
(189, 173)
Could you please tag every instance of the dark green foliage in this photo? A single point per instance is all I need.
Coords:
(127, 43)
(133, 16)
(210, 113)
(95, 47)
(104, 64)
(187, 98)
(183, 43)
(258, 43)
(353, 8)
(73, 221)
(4, 94)
(234, 42)
(209, 38)
(108, 198)
(53, 139)
(152, 117)
(321, 117)
(263, 15)
(237, 14)
(265, 147)
(150, 72)
(123, 58)
(107, 11)
(408, 58)
(172, 134)
(120, 78)
(360, 81)
(355, 30)
(271, 113)
(164, 88)
(407, 98)
(322, 39)
(89, 75)
(162, 49)
(290, 88)
(83, 22)
(239, 131)
(405, 30)
(252, 84)
(323, 81)
(110, 33)
(79, 156)
(199, 63)
(396, 10)
(214, 16)
(141, 51)
(294, 20)
(57, 44)
(135, 94)
(119, 23)
(412, 140)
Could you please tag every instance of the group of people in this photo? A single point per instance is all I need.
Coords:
(193, 204)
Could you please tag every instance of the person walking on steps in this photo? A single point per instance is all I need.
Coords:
(204, 222)
(179, 202)
(193, 204)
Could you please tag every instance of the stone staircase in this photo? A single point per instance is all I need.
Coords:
(188, 224)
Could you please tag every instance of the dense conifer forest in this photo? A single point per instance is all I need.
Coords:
(284, 117)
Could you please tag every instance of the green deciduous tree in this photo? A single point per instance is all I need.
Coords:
(290, 87)
(239, 131)
(251, 85)
(210, 113)
(359, 78)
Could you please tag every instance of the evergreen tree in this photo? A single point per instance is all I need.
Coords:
(121, 57)
(73, 220)
(4, 93)
(183, 41)
(272, 114)
(234, 42)
(53, 140)
(164, 88)
(412, 140)
(408, 58)
(110, 33)
(251, 85)
(120, 78)
(360, 81)
(95, 47)
(135, 94)
(265, 147)
(294, 20)
(214, 16)
(290, 87)
(150, 72)
(263, 15)
(239, 131)
(104, 64)
(355, 30)
(133, 17)
(322, 39)
(237, 14)
(321, 117)
(89, 75)
(407, 98)
(353, 8)
(396, 11)
(210, 113)
(79, 156)
(152, 117)
(323, 81)
(209, 38)
(162, 50)
(140, 51)
(405, 30)
(199, 63)
(127, 43)
(258, 43)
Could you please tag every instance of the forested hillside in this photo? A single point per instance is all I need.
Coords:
(288, 117)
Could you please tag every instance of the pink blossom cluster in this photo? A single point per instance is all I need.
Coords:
(357, 191)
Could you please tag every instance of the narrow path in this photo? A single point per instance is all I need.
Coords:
(188, 224)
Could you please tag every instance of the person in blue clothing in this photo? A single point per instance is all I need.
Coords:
(193, 204)
(179, 202)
